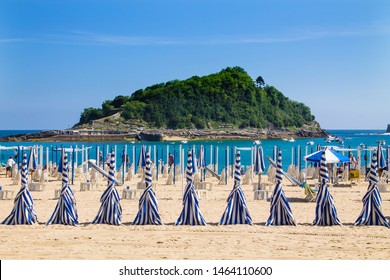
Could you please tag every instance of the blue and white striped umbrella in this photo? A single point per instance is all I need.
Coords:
(280, 213)
(201, 158)
(259, 163)
(194, 161)
(23, 211)
(236, 211)
(110, 211)
(381, 156)
(190, 215)
(142, 157)
(326, 214)
(32, 162)
(318, 148)
(371, 214)
(259, 160)
(148, 206)
(65, 212)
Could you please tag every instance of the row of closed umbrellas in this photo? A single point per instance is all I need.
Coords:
(236, 211)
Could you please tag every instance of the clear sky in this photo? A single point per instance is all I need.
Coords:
(59, 57)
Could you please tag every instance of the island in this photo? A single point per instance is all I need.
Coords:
(224, 105)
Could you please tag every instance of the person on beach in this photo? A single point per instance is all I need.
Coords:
(8, 167)
(353, 161)
(171, 160)
(100, 158)
(127, 161)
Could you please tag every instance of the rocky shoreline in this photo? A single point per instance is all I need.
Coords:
(163, 135)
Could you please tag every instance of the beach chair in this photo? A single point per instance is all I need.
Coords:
(14, 171)
(309, 192)
(222, 177)
(271, 174)
(247, 179)
(44, 177)
(129, 174)
(170, 177)
(16, 180)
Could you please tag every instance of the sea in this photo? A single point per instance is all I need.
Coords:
(218, 153)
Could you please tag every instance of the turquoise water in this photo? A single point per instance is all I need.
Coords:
(290, 150)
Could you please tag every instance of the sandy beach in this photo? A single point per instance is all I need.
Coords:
(211, 242)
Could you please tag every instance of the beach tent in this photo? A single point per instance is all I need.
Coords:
(259, 163)
(147, 207)
(65, 212)
(236, 211)
(110, 211)
(371, 214)
(23, 211)
(190, 215)
(326, 214)
(330, 155)
(280, 213)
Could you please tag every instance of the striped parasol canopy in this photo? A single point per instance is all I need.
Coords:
(32, 162)
(280, 213)
(371, 214)
(65, 212)
(326, 213)
(236, 211)
(190, 215)
(148, 206)
(142, 157)
(110, 211)
(201, 157)
(259, 160)
(201, 161)
(23, 211)
(259, 167)
(381, 156)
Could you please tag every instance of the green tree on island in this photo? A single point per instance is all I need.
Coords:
(229, 98)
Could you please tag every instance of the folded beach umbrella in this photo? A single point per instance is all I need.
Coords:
(280, 213)
(190, 215)
(147, 207)
(326, 214)
(65, 212)
(110, 211)
(194, 162)
(371, 214)
(236, 211)
(381, 156)
(23, 211)
(201, 160)
(32, 159)
(142, 157)
(259, 163)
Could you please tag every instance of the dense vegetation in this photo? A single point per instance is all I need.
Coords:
(228, 98)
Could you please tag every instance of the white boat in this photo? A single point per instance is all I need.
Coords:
(311, 143)
(291, 140)
(257, 142)
(184, 141)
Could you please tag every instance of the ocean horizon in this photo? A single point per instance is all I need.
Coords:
(215, 150)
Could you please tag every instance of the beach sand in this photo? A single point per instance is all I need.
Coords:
(211, 242)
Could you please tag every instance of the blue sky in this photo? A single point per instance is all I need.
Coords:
(59, 57)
